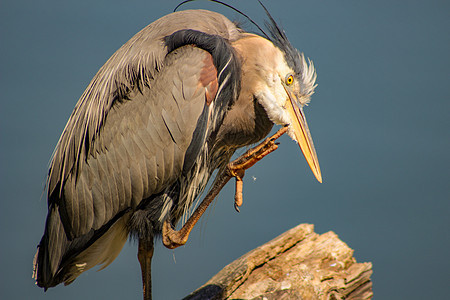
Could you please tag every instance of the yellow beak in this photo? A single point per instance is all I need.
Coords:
(301, 131)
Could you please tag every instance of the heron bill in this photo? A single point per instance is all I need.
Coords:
(301, 131)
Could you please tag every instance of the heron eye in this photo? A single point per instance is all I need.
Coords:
(289, 79)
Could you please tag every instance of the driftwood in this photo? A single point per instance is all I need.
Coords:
(299, 264)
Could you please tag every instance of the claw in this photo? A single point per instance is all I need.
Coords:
(238, 174)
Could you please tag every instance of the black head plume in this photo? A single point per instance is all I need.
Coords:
(233, 8)
(278, 38)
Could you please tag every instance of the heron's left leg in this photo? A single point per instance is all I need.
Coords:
(145, 254)
(172, 238)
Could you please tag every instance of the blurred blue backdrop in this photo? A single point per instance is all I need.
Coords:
(380, 120)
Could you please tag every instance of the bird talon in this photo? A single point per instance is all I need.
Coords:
(238, 174)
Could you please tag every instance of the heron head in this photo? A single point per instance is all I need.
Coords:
(282, 80)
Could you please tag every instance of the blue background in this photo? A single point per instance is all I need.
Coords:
(380, 120)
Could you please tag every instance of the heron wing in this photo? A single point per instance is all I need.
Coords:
(140, 151)
(142, 145)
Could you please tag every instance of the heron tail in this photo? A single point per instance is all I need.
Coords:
(60, 260)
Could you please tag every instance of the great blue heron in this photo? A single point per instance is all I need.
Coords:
(167, 109)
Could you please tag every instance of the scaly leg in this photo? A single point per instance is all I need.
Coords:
(172, 238)
(145, 254)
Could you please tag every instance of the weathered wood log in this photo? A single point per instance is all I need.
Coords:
(298, 264)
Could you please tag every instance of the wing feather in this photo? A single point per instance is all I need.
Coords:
(142, 133)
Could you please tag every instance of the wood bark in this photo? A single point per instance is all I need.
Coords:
(298, 264)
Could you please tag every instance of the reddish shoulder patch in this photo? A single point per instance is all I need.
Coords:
(208, 79)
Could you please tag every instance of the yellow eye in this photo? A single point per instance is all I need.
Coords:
(289, 79)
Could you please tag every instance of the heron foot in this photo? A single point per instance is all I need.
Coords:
(239, 175)
(237, 167)
(173, 238)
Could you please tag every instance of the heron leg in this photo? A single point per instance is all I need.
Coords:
(172, 238)
(145, 254)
